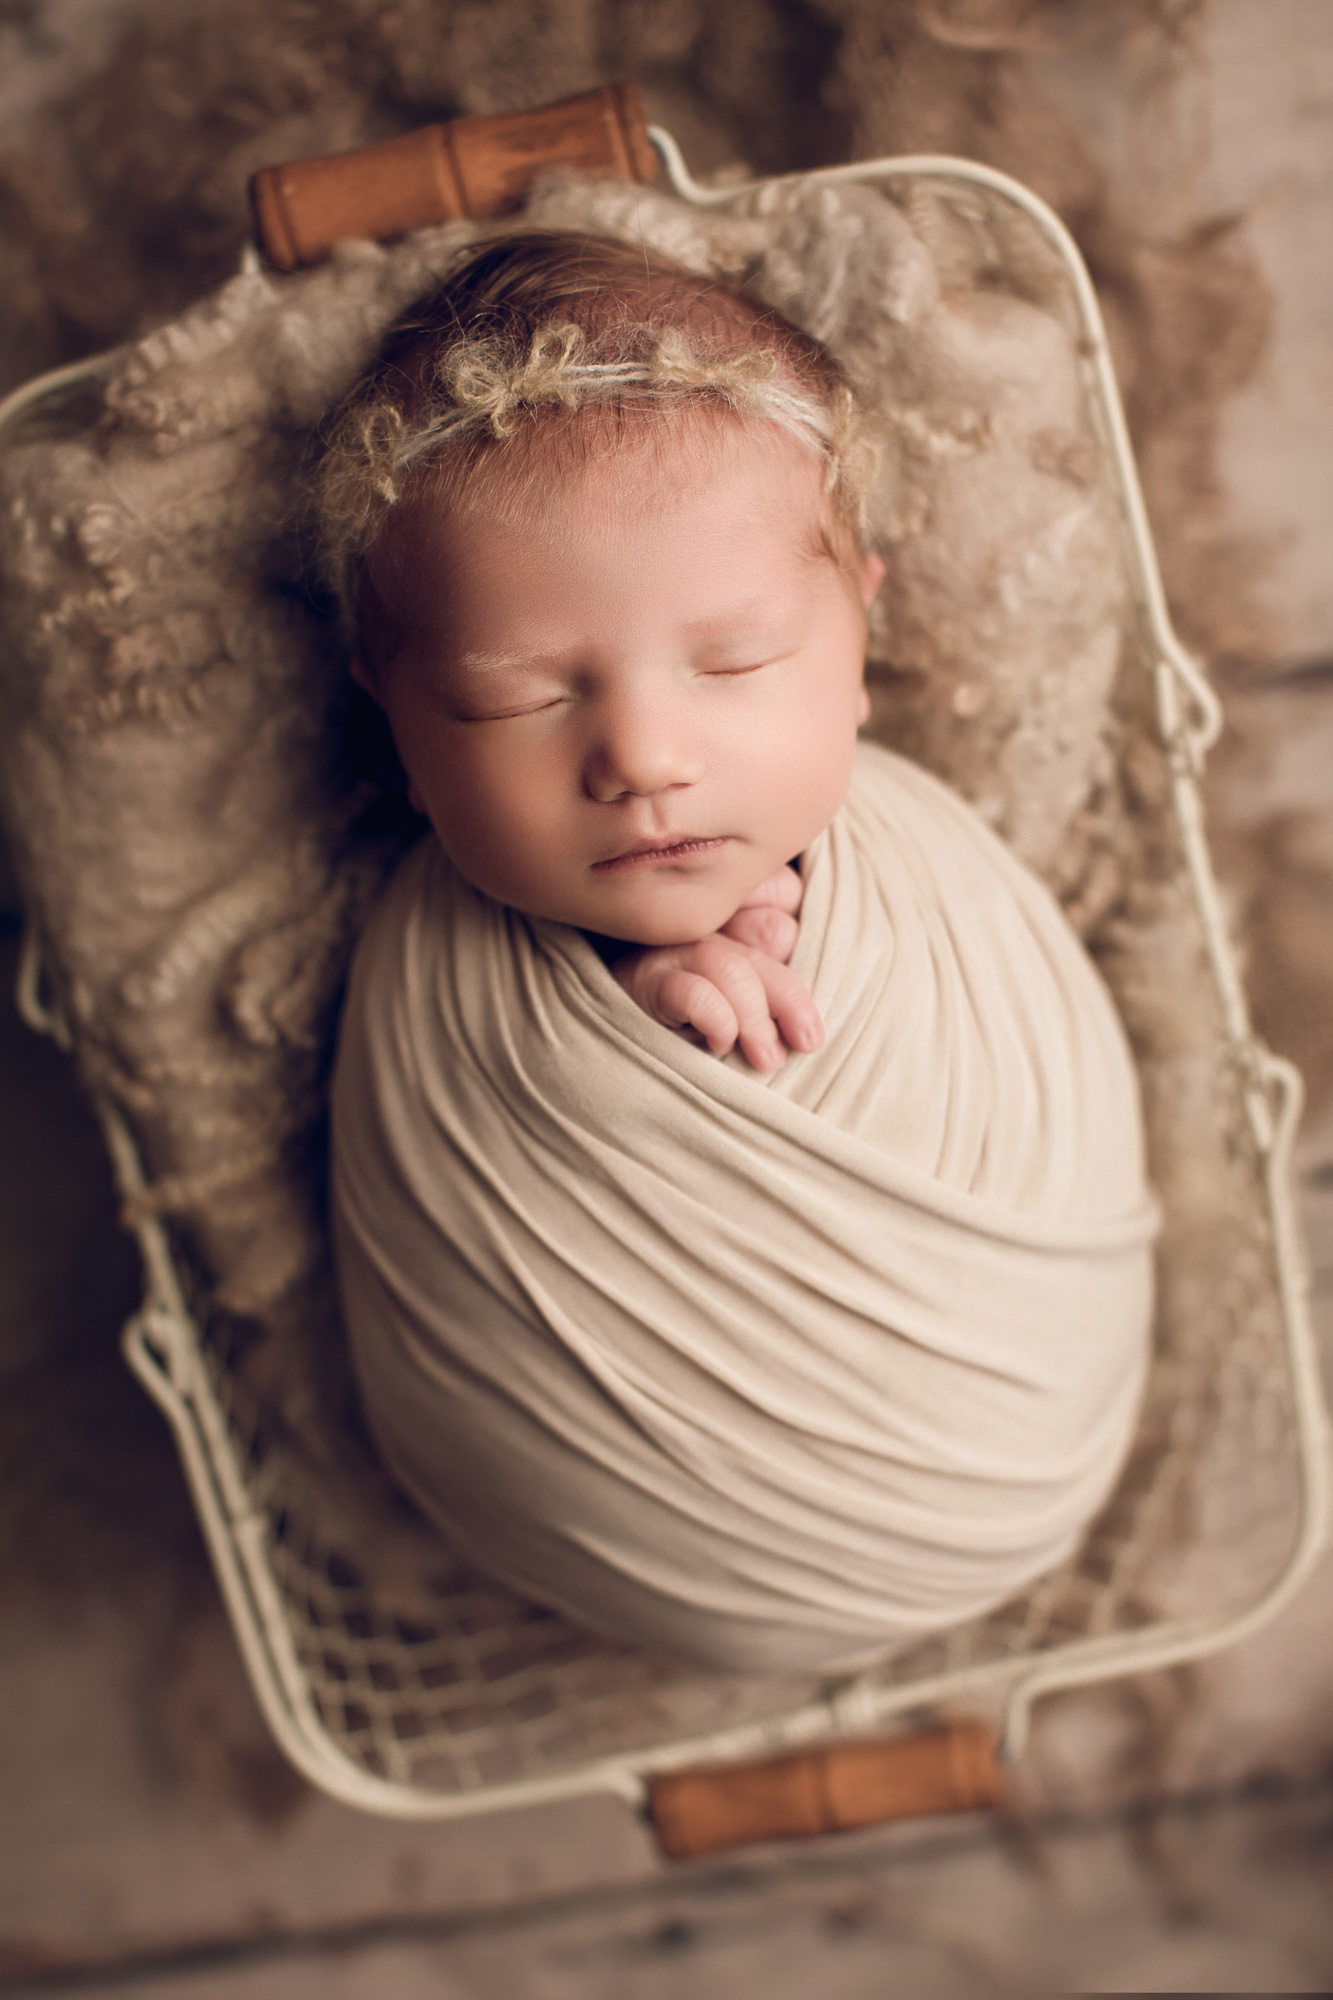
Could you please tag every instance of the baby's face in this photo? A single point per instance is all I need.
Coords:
(626, 701)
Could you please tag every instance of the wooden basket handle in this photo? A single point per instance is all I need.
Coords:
(822, 1791)
(473, 167)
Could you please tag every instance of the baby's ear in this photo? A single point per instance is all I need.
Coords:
(872, 576)
(863, 707)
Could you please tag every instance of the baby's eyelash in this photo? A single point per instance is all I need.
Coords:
(511, 714)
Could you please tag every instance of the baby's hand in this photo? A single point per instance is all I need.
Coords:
(734, 987)
(767, 917)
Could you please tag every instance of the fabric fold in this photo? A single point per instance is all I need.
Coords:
(762, 1370)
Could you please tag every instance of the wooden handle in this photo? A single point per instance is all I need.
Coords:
(850, 1784)
(472, 167)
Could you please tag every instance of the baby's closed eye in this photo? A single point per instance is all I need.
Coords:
(501, 687)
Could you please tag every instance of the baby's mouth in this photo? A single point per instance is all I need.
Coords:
(650, 854)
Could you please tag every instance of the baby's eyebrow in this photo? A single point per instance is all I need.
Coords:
(742, 624)
(755, 611)
(761, 631)
(494, 663)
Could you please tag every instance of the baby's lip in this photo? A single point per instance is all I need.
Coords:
(674, 847)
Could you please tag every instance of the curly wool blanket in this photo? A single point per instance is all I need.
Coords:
(764, 1371)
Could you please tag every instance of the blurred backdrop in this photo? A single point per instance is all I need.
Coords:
(1189, 146)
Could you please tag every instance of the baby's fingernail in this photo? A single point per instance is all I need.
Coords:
(808, 1037)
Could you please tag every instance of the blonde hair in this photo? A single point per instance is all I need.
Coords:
(533, 328)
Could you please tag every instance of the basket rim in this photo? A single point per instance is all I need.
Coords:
(163, 1344)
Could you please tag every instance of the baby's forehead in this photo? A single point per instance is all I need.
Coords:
(704, 503)
(603, 465)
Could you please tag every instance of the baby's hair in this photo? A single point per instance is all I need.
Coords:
(541, 350)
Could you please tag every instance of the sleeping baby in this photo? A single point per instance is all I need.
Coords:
(738, 1184)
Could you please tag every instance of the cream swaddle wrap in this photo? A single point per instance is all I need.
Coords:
(767, 1371)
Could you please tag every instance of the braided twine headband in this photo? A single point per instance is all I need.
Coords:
(484, 387)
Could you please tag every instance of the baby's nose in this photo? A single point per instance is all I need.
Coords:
(640, 749)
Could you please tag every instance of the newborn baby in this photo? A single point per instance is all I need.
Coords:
(737, 1175)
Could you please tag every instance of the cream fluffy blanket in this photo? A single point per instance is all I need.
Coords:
(768, 1372)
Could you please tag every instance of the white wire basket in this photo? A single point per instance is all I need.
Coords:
(487, 1701)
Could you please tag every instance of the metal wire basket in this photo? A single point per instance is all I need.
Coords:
(490, 1701)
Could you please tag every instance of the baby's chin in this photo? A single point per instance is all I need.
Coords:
(659, 918)
(682, 916)
(657, 906)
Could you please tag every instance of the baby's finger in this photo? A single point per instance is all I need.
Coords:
(767, 928)
(680, 999)
(736, 972)
(790, 1006)
(782, 890)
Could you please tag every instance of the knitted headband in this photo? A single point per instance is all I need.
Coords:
(486, 386)
(489, 389)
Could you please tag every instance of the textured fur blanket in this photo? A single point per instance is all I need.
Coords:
(762, 1371)
(199, 825)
